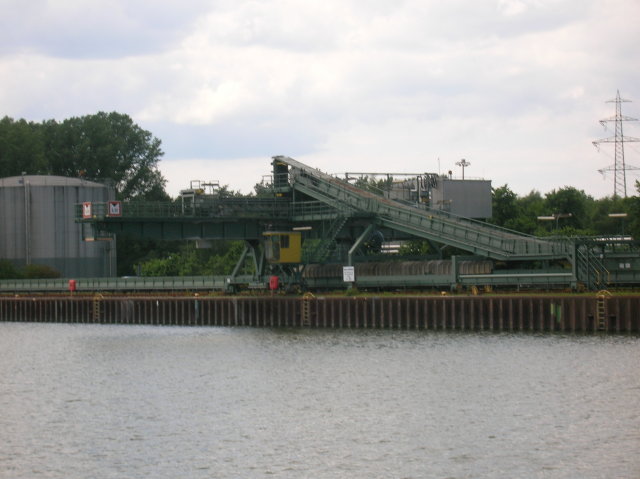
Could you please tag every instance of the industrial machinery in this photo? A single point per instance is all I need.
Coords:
(320, 231)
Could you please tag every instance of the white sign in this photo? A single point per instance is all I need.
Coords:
(86, 210)
(114, 208)
(348, 274)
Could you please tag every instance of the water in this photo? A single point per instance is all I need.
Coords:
(109, 401)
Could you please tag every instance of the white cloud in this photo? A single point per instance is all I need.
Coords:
(225, 172)
(96, 29)
(515, 86)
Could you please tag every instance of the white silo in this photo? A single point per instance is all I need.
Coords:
(37, 225)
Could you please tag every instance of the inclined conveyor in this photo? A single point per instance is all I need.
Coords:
(474, 236)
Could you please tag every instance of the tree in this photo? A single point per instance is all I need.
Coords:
(40, 271)
(8, 270)
(220, 259)
(569, 201)
(21, 148)
(415, 248)
(373, 185)
(633, 207)
(505, 206)
(262, 190)
(106, 147)
(528, 209)
(600, 221)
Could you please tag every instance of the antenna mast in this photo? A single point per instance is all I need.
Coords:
(619, 168)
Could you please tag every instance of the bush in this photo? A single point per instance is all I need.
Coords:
(40, 271)
(8, 270)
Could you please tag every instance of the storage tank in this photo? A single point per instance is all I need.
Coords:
(38, 227)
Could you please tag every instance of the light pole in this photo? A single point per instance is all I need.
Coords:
(555, 217)
(463, 163)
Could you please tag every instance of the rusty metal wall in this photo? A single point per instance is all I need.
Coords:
(565, 314)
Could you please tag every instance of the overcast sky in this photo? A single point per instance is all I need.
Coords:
(516, 87)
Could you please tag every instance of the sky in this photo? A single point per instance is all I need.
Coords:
(515, 87)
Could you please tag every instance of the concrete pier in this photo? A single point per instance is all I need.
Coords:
(544, 313)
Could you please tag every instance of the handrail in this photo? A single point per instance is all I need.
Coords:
(135, 283)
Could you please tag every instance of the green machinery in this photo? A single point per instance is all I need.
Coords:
(315, 224)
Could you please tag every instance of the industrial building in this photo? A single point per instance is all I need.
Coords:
(38, 227)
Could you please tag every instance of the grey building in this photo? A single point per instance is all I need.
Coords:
(469, 198)
(37, 225)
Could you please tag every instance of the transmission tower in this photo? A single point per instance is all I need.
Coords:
(619, 168)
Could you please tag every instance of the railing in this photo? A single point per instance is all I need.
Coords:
(142, 283)
(218, 208)
(146, 209)
(589, 268)
(210, 208)
(311, 209)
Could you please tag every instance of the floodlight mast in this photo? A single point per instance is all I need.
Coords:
(619, 167)
(463, 163)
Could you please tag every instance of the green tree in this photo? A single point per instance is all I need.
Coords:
(106, 146)
(528, 209)
(40, 271)
(632, 206)
(133, 252)
(188, 260)
(21, 148)
(160, 267)
(600, 221)
(569, 201)
(262, 190)
(415, 248)
(504, 205)
(373, 185)
(8, 270)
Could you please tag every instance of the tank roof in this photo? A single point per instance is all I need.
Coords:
(47, 180)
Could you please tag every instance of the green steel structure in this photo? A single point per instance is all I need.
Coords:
(338, 221)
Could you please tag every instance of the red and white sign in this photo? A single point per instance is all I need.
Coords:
(115, 208)
(86, 210)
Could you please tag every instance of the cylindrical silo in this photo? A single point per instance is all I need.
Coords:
(38, 227)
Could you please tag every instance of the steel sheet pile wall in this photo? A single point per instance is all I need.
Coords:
(618, 314)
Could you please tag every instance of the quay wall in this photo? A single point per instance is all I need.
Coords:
(567, 314)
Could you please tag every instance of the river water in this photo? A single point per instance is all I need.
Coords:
(110, 401)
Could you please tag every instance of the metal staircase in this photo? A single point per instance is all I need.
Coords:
(327, 244)
(590, 270)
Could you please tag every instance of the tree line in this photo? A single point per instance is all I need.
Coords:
(566, 211)
(110, 148)
(104, 147)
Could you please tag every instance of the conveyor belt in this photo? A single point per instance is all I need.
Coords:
(470, 235)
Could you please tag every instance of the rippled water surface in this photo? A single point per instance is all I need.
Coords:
(109, 401)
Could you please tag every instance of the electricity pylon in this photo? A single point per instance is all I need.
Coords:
(619, 168)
